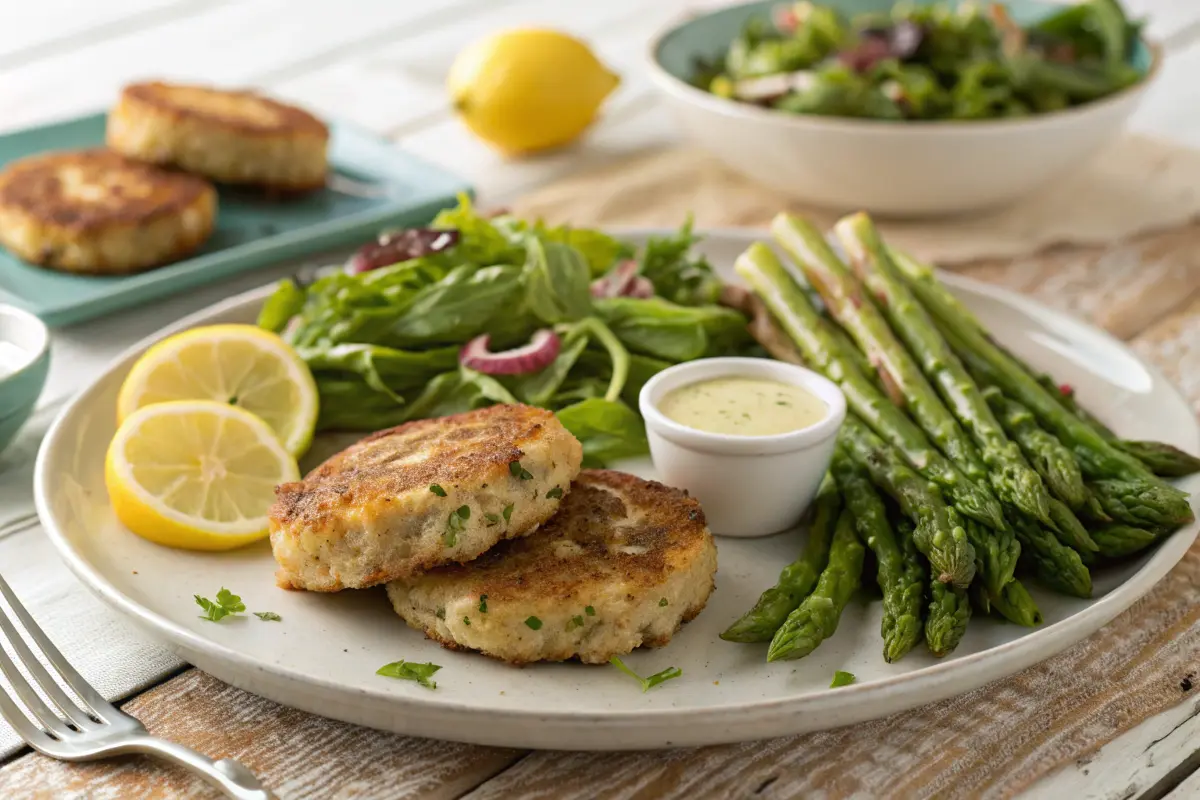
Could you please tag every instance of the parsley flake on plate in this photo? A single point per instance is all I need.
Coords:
(410, 671)
(650, 682)
(227, 604)
(268, 616)
(842, 679)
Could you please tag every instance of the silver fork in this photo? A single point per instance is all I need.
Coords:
(98, 729)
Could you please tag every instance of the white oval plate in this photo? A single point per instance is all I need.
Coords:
(322, 657)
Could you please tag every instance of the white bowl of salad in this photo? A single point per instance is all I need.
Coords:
(915, 109)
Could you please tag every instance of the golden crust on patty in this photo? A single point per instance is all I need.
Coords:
(235, 137)
(635, 553)
(392, 504)
(94, 211)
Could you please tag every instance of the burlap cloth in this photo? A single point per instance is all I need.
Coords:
(995, 741)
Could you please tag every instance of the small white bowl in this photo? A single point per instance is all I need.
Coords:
(748, 485)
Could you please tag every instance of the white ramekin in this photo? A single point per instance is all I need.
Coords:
(748, 485)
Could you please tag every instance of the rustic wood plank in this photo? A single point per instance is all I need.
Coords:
(1189, 789)
(46, 29)
(1137, 765)
(1174, 346)
(401, 86)
(1123, 288)
(227, 45)
(298, 755)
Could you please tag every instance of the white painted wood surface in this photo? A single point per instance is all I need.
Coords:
(381, 64)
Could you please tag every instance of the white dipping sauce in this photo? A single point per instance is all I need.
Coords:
(743, 407)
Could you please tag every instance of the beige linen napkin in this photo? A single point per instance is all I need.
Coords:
(1137, 185)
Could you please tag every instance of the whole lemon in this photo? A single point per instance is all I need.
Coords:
(527, 90)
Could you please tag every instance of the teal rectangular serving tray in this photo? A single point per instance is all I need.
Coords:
(373, 185)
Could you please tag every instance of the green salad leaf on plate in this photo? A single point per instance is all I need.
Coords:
(387, 338)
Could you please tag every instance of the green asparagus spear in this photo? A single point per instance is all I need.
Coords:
(817, 617)
(1054, 564)
(853, 309)
(1162, 459)
(1103, 455)
(1015, 604)
(797, 580)
(949, 605)
(1118, 541)
(1013, 480)
(996, 555)
(1048, 456)
(1142, 503)
(812, 335)
(900, 576)
(1097, 457)
(1068, 529)
(940, 534)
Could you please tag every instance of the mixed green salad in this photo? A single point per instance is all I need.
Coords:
(957, 61)
(474, 311)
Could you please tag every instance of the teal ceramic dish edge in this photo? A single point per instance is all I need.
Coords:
(20, 390)
(64, 299)
(707, 36)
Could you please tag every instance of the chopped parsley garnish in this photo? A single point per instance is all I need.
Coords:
(520, 472)
(268, 616)
(554, 493)
(842, 679)
(454, 524)
(662, 603)
(438, 490)
(410, 671)
(575, 622)
(467, 621)
(493, 519)
(483, 604)
(508, 512)
(227, 604)
(441, 612)
(591, 612)
(534, 623)
(647, 683)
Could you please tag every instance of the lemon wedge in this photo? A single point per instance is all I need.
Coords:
(196, 474)
(530, 89)
(240, 365)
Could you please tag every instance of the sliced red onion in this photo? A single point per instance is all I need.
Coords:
(541, 351)
(618, 281)
(641, 288)
(394, 247)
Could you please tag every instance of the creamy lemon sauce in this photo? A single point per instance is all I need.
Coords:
(744, 407)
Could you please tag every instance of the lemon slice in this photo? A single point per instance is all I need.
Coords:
(196, 474)
(240, 365)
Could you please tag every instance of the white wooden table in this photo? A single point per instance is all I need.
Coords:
(381, 64)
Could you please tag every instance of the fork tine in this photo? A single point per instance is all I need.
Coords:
(90, 697)
(48, 685)
(15, 717)
(50, 721)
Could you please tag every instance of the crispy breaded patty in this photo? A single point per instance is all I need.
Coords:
(430, 492)
(94, 211)
(622, 564)
(229, 136)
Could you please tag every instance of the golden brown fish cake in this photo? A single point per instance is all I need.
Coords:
(622, 564)
(236, 137)
(393, 504)
(96, 212)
